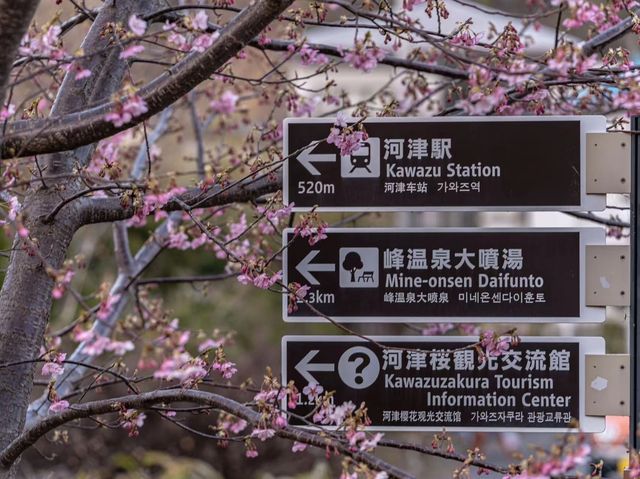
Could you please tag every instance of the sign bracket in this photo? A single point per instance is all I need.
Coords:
(634, 332)
(608, 165)
(607, 275)
(607, 384)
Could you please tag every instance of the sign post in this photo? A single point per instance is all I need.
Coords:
(430, 164)
(396, 275)
(483, 275)
(634, 332)
(417, 383)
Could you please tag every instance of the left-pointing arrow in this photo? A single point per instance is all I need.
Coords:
(307, 158)
(305, 267)
(305, 366)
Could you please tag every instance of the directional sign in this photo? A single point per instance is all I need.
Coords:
(427, 164)
(431, 275)
(420, 383)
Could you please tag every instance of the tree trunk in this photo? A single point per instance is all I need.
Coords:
(25, 298)
(15, 18)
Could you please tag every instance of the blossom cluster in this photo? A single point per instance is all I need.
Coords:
(574, 453)
(347, 138)
(125, 110)
(191, 35)
(493, 344)
(180, 365)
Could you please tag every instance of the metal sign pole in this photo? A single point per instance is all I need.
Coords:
(634, 346)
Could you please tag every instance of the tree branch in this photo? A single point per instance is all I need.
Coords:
(128, 268)
(390, 60)
(25, 138)
(613, 222)
(145, 400)
(101, 210)
(609, 35)
(15, 18)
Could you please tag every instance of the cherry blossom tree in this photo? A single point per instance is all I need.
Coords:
(82, 121)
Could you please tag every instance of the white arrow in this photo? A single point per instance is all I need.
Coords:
(306, 157)
(304, 367)
(305, 267)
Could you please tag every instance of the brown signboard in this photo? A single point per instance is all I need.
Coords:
(426, 383)
(425, 164)
(435, 275)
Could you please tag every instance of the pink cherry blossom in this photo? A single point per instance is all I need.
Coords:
(82, 74)
(46, 45)
(227, 369)
(348, 142)
(80, 335)
(59, 406)
(14, 208)
(210, 344)
(251, 453)
(311, 56)
(137, 25)
(52, 369)
(182, 367)
(131, 51)
(226, 104)
(363, 58)
(370, 443)
(298, 446)
(132, 420)
(296, 294)
(7, 111)
(409, 4)
(339, 413)
(264, 281)
(96, 345)
(179, 40)
(132, 107)
(200, 21)
(280, 421)
(204, 41)
(493, 344)
(313, 391)
(266, 396)
(238, 426)
(120, 347)
(106, 306)
(263, 433)
(153, 202)
(62, 281)
(466, 37)
(437, 329)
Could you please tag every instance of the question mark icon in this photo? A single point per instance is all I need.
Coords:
(361, 361)
(358, 367)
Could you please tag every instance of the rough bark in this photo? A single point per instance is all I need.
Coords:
(128, 268)
(25, 298)
(15, 18)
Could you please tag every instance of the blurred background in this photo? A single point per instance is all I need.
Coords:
(163, 450)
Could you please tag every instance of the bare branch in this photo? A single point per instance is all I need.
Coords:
(614, 222)
(145, 400)
(100, 210)
(67, 382)
(70, 131)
